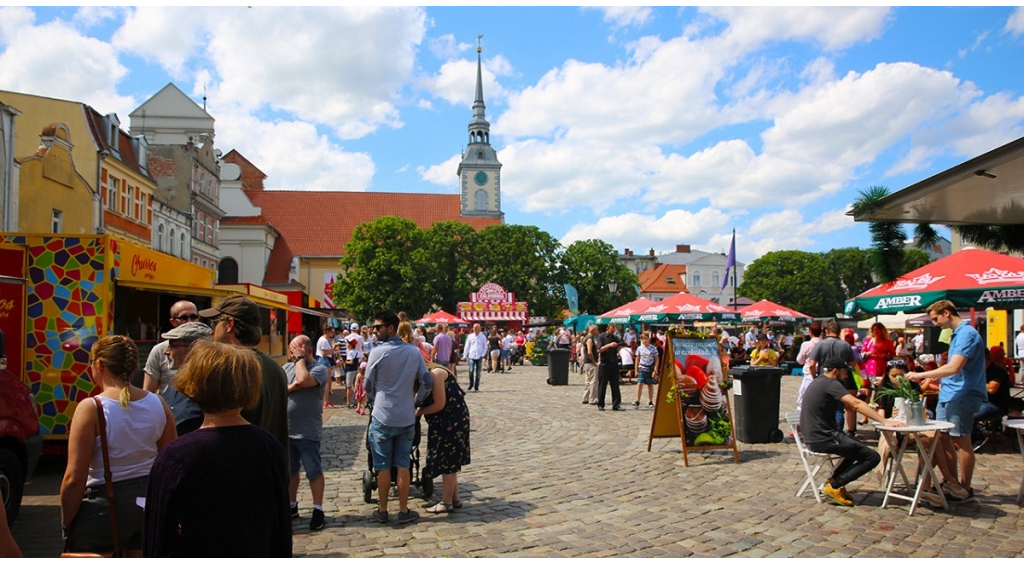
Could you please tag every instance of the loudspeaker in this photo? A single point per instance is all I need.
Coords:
(931, 341)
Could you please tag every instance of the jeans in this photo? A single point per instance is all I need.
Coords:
(475, 366)
(858, 458)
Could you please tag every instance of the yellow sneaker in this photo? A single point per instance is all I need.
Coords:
(836, 494)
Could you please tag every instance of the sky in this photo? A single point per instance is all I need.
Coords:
(645, 127)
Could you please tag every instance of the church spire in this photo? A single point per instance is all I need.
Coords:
(479, 128)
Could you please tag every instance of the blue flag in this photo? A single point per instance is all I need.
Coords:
(574, 299)
(731, 263)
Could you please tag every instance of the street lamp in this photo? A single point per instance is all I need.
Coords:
(613, 286)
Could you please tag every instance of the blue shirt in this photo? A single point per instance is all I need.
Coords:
(392, 369)
(971, 378)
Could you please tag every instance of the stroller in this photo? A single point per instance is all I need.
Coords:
(425, 485)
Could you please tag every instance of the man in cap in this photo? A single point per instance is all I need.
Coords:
(159, 371)
(821, 401)
(187, 415)
(236, 320)
(306, 380)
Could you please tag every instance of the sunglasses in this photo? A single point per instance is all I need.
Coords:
(189, 317)
(899, 363)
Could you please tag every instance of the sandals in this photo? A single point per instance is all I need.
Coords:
(441, 507)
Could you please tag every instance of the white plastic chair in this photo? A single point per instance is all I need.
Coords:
(807, 455)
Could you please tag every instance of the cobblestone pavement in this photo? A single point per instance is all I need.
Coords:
(553, 478)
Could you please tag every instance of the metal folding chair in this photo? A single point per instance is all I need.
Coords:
(807, 456)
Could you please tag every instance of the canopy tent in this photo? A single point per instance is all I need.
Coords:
(765, 310)
(968, 278)
(442, 318)
(622, 313)
(685, 306)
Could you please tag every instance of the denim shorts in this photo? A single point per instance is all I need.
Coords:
(308, 452)
(390, 446)
(960, 412)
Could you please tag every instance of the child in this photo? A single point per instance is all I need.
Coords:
(646, 369)
(360, 391)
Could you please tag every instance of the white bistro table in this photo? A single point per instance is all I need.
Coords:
(925, 454)
(1018, 425)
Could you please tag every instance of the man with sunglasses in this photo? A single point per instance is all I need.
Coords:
(160, 368)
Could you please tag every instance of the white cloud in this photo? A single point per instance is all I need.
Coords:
(455, 82)
(1015, 24)
(623, 16)
(442, 173)
(55, 60)
(832, 27)
(634, 230)
(293, 154)
(340, 67)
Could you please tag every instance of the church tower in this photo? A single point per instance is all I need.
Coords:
(480, 172)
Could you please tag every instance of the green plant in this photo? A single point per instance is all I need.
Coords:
(901, 388)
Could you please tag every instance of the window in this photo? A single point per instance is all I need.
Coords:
(481, 200)
(57, 222)
(111, 193)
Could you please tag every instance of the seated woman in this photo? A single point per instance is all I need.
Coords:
(138, 426)
(222, 490)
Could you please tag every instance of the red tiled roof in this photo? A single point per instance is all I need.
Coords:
(321, 223)
(655, 280)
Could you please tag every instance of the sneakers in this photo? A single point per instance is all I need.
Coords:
(836, 494)
(954, 491)
(636, 405)
(378, 516)
(295, 512)
(317, 521)
(407, 516)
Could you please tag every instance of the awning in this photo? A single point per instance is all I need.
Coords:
(493, 315)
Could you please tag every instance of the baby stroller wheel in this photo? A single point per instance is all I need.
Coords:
(368, 486)
(427, 487)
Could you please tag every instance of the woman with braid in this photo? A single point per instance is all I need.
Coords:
(138, 425)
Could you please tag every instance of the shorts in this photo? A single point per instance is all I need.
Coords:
(390, 446)
(350, 378)
(645, 376)
(308, 452)
(960, 412)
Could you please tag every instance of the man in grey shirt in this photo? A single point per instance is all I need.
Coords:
(306, 382)
(392, 371)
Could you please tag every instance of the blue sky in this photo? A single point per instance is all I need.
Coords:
(645, 127)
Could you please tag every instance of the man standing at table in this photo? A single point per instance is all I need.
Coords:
(961, 394)
(818, 426)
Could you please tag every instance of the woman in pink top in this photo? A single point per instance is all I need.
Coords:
(138, 424)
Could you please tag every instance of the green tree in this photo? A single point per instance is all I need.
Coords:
(798, 279)
(852, 268)
(589, 266)
(524, 260)
(383, 268)
(450, 247)
(887, 238)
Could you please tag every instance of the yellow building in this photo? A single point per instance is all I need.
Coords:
(54, 197)
(108, 159)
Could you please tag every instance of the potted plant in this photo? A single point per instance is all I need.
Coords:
(902, 389)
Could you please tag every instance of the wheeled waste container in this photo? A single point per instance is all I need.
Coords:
(756, 391)
(558, 367)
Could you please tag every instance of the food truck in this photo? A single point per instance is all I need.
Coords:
(80, 288)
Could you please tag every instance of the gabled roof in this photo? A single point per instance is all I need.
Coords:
(657, 280)
(321, 223)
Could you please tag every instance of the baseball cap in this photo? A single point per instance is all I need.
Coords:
(240, 307)
(191, 331)
(835, 362)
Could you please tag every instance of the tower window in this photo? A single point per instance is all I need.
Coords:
(481, 200)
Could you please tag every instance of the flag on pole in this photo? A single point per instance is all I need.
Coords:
(731, 263)
(573, 297)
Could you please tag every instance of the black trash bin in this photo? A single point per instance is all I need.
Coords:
(756, 391)
(558, 367)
